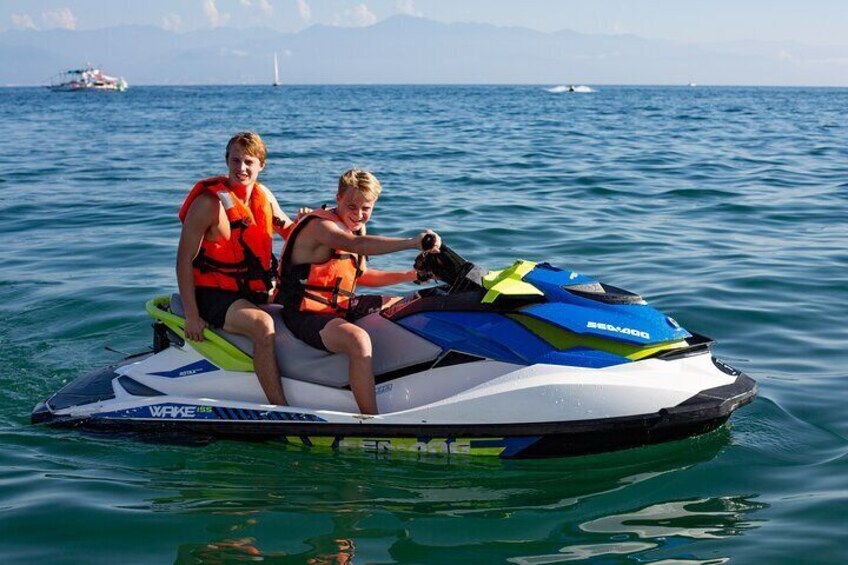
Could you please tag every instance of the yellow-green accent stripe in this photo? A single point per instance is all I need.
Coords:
(454, 446)
(509, 281)
(214, 347)
(563, 340)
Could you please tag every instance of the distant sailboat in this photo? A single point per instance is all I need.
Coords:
(276, 71)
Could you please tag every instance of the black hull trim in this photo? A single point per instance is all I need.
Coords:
(700, 414)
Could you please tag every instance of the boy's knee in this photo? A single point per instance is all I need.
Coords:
(266, 326)
(262, 328)
(362, 342)
(246, 319)
(356, 340)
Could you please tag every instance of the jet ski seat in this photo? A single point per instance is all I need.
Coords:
(394, 348)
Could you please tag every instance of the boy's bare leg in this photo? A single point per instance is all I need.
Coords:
(244, 318)
(340, 336)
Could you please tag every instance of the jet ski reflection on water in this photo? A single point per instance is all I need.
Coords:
(529, 361)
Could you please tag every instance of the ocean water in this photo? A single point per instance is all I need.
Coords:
(725, 207)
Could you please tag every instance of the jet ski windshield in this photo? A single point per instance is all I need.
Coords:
(603, 292)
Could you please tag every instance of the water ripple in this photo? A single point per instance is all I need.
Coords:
(725, 207)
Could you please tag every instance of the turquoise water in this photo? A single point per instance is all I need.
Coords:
(726, 207)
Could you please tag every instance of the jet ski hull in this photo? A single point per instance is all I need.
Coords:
(174, 418)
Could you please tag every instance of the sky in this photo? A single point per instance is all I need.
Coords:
(812, 22)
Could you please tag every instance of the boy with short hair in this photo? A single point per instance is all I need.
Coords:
(322, 263)
(225, 256)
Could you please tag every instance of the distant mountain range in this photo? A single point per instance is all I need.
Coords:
(404, 49)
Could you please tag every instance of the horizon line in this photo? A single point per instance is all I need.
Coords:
(447, 84)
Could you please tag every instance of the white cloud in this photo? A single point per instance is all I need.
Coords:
(172, 22)
(408, 7)
(216, 19)
(266, 7)
(61, 18)
(23, 21)
(304, 10)
(358, 16)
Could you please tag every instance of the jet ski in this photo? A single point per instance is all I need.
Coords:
(529, 361)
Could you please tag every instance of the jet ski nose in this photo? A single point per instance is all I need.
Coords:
(41, 414)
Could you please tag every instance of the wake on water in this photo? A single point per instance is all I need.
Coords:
(570, 88)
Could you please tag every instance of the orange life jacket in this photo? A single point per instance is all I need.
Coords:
(323, 287)
(245, 262)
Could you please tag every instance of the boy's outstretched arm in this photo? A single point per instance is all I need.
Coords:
(373, 277)
(331, 235)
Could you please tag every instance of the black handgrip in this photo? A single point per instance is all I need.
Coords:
(428, 242)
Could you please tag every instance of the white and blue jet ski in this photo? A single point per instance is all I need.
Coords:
(530, 361)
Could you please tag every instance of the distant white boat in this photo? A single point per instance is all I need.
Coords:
(276, 71)
(88, 78)
(569, 88)
(692, 84)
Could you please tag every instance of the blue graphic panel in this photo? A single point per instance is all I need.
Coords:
(496, 337)
(583, 357)
(196, 368)
(486, 334)
(631, 323)
(637, 324)
(545, 277)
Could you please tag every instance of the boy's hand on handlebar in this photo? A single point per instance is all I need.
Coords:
(429, 241)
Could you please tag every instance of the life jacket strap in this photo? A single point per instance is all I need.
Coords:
(335, 292)
(250, 268)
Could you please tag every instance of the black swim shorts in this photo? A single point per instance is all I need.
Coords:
(213, 303)
(307, 326)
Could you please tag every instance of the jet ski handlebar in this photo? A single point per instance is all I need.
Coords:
(428, 242)
(447, 266)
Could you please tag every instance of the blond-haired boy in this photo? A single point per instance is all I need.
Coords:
(323, 262)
